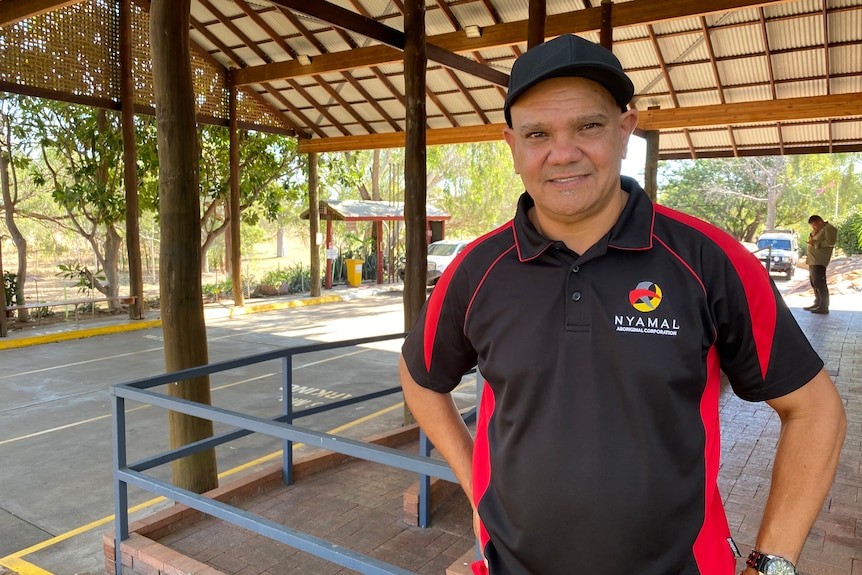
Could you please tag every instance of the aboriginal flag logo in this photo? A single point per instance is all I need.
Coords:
(645, 297)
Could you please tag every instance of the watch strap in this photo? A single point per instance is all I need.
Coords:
(758, 560)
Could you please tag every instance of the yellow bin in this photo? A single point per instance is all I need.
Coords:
(354, 272)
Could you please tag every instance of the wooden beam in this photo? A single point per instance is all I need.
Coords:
(322, 64)
(12, 11)
(634, 13)
(767, 151)
(817, 107)
(438, 137)
(351, 21)
(768, 111)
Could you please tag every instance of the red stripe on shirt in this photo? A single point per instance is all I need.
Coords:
(711, 549)
(750, 272)
(438, 296)
(482, 455)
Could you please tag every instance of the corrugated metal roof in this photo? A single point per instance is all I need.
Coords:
(755, 59)
(364, 210)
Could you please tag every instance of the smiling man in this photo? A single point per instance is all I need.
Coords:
(602, 324)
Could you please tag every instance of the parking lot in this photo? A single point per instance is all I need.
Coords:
(55, 442)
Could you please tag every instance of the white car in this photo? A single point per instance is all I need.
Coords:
(440, 255)
(778, 250)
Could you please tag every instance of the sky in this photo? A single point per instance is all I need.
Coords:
(633, 165)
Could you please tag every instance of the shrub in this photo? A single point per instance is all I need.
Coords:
(213, 292)
(850, 233)
(10, 287)
(297, 278)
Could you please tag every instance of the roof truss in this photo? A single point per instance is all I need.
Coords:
(715, 77)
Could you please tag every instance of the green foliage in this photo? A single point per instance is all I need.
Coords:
(850, 233)
(715, 191)
(251, 236)
(297, 278)
(10, 287)
(354, 247)
(739, 195)
(83, 278)
(215, 291)
(475, 184)
(81, 149)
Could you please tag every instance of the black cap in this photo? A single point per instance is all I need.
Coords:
(568, 55)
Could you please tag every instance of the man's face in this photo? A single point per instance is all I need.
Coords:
(568, 139)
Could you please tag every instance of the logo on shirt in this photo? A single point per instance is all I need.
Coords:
(645, 297)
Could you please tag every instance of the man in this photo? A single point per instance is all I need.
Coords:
(601, 323)
(820, 244)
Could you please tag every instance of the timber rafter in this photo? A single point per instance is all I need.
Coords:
(715, 77)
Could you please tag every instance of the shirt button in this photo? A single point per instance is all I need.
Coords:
(575, 269)
(576, 296)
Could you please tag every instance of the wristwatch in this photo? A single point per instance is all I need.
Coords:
(770, 564)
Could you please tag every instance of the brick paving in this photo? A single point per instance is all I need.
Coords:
(749, 435)
(359, 505)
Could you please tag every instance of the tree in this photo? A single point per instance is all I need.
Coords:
(9, 191)
(81, 154)
(269, 165)
(181, 300)
(739, 195)
(474, 183)
(744, 196)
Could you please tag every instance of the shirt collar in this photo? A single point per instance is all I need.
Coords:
(632, 230)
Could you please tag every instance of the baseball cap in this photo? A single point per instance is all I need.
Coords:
(568, 55)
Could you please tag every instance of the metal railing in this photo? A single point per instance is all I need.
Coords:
(282, 427)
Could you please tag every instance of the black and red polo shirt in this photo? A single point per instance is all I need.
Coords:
(597, 447)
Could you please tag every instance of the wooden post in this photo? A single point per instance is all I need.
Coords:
(651, 164)
(329, 246)
(415, 60)
(130, 164)
(415, 191)
(314, 222)
(538, 13)
(181, 301)
(379, 226)
(235, 215)
(3, 304)
(606, 33)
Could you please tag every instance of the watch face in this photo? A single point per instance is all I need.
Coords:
(779, 566)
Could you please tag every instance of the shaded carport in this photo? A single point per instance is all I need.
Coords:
(376, 212)
(713, 78)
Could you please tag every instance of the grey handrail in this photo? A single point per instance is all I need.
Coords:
(282, 427)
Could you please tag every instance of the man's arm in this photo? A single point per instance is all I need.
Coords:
(813, 424)
(830, 235)
(438, 416)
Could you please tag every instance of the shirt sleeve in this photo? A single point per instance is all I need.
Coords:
(830, 236)
(761, 347)
(436, 351)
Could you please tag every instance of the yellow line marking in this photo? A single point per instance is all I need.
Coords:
(147, 324)
(15, 562)
(22, 567)
(78, 334)
(77, 531)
